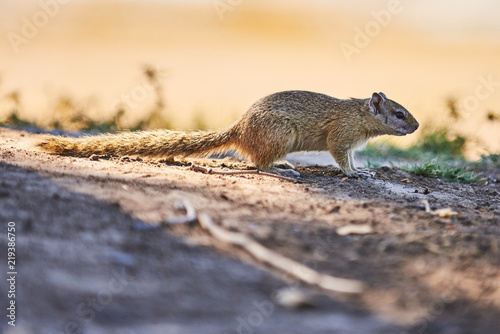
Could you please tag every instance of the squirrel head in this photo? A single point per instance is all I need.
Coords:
(395, 118)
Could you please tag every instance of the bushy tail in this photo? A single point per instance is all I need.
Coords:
(155, 143)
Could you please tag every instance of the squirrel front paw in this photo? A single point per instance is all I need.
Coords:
(361, 173)
(364, 174)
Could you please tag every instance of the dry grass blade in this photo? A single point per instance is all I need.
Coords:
(278, 261)
(426, 205)
(354, 229)
(189, 217)
(209, 170)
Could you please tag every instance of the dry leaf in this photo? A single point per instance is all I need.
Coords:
(405, 180)
(354, 229)
(295, 298)
(442, 213)
(445, 213)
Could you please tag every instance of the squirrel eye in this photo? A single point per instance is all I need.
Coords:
(399, 115)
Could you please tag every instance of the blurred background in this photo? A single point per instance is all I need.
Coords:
(202, 63)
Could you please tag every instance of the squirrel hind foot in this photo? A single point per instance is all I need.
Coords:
(283, 164)
(288, 172)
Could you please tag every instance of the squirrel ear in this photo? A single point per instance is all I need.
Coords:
(375, 102)
(383, 95)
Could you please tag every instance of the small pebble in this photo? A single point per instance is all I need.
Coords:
(295, 298)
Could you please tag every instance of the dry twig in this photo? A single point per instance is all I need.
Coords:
(355, 229)
(189, 217)
(209, 170)
(265, 255)
(278, 261)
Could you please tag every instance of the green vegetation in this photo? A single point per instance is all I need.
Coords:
(444, 171)
(492, 160)
(432, 144)
(437, 153)
(70, 116)
(442, 156)
(14, 120)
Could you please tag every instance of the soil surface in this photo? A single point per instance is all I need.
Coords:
(92, 257)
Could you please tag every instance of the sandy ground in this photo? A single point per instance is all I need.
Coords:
(90, 259)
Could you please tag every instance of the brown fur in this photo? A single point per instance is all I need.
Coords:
(273, 127)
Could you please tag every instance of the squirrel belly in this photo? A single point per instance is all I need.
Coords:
(273, 127)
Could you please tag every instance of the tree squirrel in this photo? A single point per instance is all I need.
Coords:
(274, 126)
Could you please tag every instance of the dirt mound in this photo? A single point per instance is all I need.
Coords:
(85, 259)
